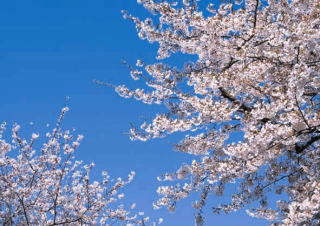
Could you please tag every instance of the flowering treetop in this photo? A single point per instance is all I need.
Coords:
(46, 186)
(257, 76)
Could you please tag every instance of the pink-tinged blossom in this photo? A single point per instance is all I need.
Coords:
(44, 185)
(257, 76)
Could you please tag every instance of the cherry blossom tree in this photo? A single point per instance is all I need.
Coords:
(249, 104)
(46, 186)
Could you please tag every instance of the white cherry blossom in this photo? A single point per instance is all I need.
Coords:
(256, 77)
(44, 185)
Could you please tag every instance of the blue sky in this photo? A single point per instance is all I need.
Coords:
(53, 49)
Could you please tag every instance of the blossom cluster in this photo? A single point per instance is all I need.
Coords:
(257, 76)
(45, 185)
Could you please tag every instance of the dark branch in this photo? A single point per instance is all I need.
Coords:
(300, 148)
(225, 94)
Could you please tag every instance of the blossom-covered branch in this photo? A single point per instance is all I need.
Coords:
(257, 76)
(44, 185)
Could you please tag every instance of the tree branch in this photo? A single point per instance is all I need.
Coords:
(300, 148)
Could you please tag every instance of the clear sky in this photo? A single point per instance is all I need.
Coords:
(55, 48)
